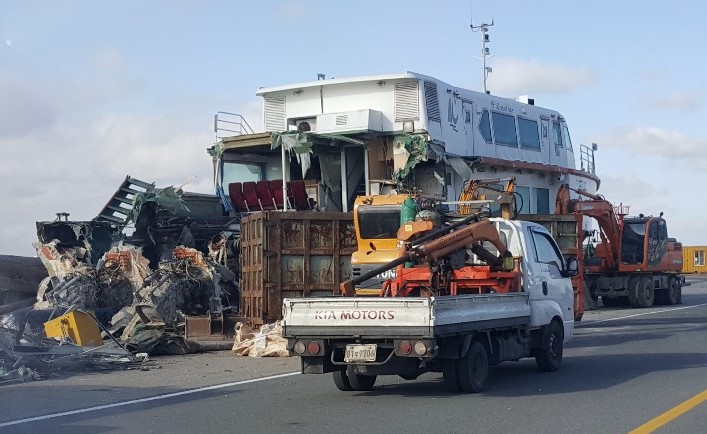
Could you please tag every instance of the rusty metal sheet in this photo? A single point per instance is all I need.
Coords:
(214, 327)
(298, 254)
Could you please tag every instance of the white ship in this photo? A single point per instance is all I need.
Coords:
(377, 134)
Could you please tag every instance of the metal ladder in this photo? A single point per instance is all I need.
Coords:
(118, 208)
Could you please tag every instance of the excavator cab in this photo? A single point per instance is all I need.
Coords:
(645, 243)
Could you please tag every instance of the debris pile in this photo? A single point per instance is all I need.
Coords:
(179, 261)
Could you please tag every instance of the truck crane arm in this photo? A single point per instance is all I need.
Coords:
(442, 243)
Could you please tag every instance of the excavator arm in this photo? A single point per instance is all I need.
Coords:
(601, 210)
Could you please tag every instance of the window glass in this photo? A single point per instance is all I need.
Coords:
(378, 222)
(662, 230)
(239, 171)
(542, 200)
(485, 126)
(566, 137)
(700, 258)
(523, 202)
(504, 129)
(546, 251)
(529, 137)
(632, 243)
(556, 134)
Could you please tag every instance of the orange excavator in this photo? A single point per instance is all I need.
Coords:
(635, 263)
(444, 264)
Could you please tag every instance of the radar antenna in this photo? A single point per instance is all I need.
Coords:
(483, 27)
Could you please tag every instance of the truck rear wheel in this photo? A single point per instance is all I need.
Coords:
(549, 356)
(645, 292)
(342, 380)
(450, 375)
(633, 285)
(473, 368)
(358, 382)
(674, 292)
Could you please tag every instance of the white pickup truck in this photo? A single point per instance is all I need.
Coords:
(359, 338)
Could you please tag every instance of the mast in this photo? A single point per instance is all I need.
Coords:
(485, 52)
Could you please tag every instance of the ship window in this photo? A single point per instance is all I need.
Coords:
(240, 171)
(504, 129)
(528, 134)
(485, 126)
(523, 200)
(566, 137)
(556, 134)
(542, 200)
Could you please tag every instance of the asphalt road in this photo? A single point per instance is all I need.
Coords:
(624, 369)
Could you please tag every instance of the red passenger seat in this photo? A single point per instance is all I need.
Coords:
(235, 192)
(299, 195)
(267, 202)
(251, 196)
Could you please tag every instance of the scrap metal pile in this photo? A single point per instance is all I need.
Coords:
(179, 261)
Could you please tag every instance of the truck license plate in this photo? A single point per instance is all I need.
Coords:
(360, 353)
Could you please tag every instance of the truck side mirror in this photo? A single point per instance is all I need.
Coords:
(571, 268)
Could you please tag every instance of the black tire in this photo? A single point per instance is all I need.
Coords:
(549, 356)
(633, 285)
(645, 292)
(673, 295)
(342, 380)
(450, 375)
(473, 368)
(360, 383)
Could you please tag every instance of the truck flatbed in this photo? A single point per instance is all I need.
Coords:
(423, 317)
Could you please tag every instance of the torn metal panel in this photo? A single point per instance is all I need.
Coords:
(408, 151)
(71, 281)
(118, 207)
(86, 240)
(211, 330)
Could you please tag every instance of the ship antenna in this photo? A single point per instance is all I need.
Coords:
(485, 52)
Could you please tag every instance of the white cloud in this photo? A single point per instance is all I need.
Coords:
(513, 76)
(293, 10)
(675, 101)
(658, 142)
(76, 168)
(23, 109)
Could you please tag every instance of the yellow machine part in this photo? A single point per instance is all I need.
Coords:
(77, 326)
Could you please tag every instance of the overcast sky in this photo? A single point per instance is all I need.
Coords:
(93, 91)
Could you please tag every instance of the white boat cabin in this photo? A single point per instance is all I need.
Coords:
(377, 134)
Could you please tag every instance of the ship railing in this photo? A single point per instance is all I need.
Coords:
(230, 124)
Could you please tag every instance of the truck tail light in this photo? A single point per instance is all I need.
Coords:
(313, 347)
(420, 348)
(405, 347)
(300, 347)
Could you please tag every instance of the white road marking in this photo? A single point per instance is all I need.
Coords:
(589, 323)
(137, 401)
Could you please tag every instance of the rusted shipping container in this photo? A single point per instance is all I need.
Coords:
(292, 254)
(693, 259)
